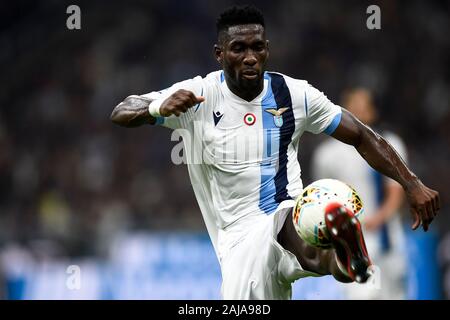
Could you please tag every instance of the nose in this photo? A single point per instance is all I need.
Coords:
(250, 58)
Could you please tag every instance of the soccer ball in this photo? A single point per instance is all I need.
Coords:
(309, 211)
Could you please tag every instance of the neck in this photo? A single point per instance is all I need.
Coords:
(248, 93)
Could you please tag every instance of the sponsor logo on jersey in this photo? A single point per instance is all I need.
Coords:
(277, 116)
(217, 116)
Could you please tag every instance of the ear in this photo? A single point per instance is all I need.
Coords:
(218, 53)
(267, 46)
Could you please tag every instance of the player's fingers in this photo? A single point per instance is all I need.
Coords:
(416, 219)
(185, 100)
(437, 201)
(184, 97)
(191, 98)
(200, 99)
(430, 211)
(433, 205)
(424, 217)
(184, 104)
(192, 102)
(196, 99)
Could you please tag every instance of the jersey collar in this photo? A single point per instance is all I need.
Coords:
(229, 94)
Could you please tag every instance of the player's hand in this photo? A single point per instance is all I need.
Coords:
(179, 102)
(424, 204)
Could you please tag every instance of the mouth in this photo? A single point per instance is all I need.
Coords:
(250, 74)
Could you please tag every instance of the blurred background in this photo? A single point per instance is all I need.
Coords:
(76, 190)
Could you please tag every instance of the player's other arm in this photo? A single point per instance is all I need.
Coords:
(136, 110)
(133, 112)
(380, 155)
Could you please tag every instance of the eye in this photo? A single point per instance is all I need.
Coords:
(259, 47)
(237, 48)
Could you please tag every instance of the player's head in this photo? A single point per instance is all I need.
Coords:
(242, 48)
(359, 101)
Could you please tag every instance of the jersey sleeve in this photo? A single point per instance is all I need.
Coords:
(322, 115)
(194, 85)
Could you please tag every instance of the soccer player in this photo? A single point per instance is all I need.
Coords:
(241, 126)
(383, 231)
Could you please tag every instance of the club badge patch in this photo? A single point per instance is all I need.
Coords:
(249, 119)
(277, 116)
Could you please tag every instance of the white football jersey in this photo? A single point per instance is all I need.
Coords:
(241, 155)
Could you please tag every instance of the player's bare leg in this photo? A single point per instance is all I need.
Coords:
(347, 260)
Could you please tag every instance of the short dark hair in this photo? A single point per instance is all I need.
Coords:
(237, 15)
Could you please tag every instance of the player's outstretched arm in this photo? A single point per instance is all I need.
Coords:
(134, 110)
(380, 155)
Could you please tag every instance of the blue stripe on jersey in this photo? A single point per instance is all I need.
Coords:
(222, 77)
(283, 100)
(306, 105)
(379, 190)
(267, 191)
(334, 124)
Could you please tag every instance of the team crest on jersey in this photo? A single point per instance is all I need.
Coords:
(277, 116)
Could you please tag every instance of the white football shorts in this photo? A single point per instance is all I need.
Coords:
(254, 265)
